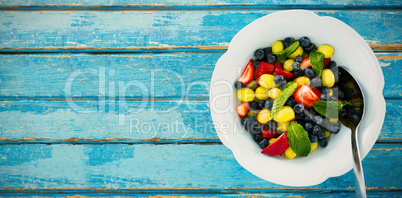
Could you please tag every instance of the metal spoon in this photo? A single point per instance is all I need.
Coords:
(352, 89)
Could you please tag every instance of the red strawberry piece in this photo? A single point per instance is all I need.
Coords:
(326, 61)
(280, 71)
(268, 133)
(305, 63)
(316, 91)
(278, 146)
(264, 68)
(306, 95)
(248, 73)
(242, 109)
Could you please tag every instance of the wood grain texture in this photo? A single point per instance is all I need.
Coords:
(188, 193)
(121, 31)
(136, 167)
(200, 4)
(190, 122)
(177, 75)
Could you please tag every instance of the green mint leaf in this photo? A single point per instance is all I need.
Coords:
(317, 62)
(329, 109)
(298, 139)
(282, 55)
(290, 88)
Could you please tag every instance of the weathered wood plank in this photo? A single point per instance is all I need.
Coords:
(199, 4)
(183, 75)
(136, 167)
(189, 193)
(165, 122)
(166, 30)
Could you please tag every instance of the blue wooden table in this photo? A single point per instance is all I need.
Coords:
(73, 76)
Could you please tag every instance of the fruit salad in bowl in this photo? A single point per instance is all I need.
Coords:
(290, 98)
(275, 98)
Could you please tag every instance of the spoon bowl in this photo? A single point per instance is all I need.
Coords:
(351, 119)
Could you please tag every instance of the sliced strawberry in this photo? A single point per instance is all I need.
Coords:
(248, 73)
(263, 68)
(268, 133)
(326, 61)
(242, 109)
(306, 95)
(278, 146)
(305, 63)
(280, 71)
(316, 91)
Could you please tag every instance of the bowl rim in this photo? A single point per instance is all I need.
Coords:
(227, 138)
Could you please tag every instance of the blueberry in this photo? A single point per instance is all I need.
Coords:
(308, 72)
(307, 118)
(263, 144)
(308, 126)
(254, 105)
(323, 142)
(244, 120)
(301, 122)
(325, 97)
(272, 125)
(296, 65)
(316, 129)
(331, 64)
(259, 54)
(267, 50)
(321, 134)
(255, 127)
(256, 63)
(261, 104)
(325, 90)
(238, 85)
(271, 58)
(298, 108)
(313, 138)
(330, 127)
(252, 119)
(279, 79)
(299, 59)
(317, 119)
(257, 137)
(268, 104)
(290, 102)
(299, 116)
(310, 48)
(304, 41)
(288, 41)
(313, 112)
(316, 82)
(297, 73)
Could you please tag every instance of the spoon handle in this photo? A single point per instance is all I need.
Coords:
(358, 168)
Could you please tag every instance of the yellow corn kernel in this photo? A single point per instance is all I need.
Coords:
(264, 116)
(327, 50)
(261, 93)
(313, 146)
(289, 153)
(282, 126)
(298, 52)
(302, 80)
(288, 65)
(277, 46)
(274, 93)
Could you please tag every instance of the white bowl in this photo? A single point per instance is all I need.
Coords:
(351, 51)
